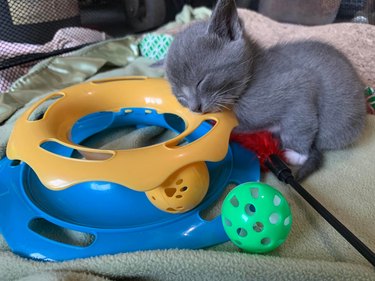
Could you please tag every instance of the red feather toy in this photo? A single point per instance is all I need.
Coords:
(263, 144)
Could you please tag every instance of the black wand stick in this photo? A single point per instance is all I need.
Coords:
(284, 174)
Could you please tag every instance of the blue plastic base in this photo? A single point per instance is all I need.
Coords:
(116, 218)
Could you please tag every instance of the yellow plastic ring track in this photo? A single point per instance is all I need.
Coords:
(140, 169)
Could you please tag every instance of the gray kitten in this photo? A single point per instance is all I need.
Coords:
(307, 92)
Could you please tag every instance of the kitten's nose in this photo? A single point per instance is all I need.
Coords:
(196, 107)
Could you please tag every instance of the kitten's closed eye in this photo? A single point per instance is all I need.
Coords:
(206, 96)
(199, 83)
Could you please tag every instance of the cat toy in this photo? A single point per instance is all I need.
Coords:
(256, 217)
(265, 145)
(70, 201)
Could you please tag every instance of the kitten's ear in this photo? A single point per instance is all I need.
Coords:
(225, 21)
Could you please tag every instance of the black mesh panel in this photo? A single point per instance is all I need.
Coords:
(36, 21)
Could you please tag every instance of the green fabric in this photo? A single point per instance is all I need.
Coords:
(313, 250)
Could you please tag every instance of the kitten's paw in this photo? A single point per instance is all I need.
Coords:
(295, 158)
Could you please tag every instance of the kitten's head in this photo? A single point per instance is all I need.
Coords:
(209, 64)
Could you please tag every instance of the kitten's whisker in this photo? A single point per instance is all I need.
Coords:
(223, 106)
(221, 101)
(236, 87)
(218, 91)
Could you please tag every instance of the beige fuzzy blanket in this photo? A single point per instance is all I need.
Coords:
(313, 251)
(356, 41)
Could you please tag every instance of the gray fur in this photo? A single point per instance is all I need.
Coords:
(308, 90)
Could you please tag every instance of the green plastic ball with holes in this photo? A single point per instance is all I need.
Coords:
(256, 217)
